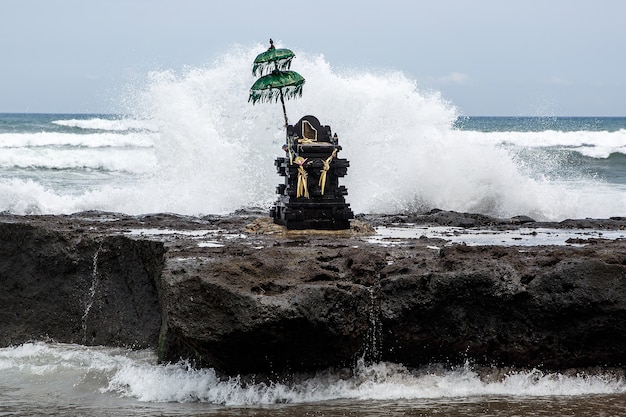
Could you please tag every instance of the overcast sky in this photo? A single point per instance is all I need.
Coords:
(487, 57)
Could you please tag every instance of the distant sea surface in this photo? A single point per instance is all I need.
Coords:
(540, 124)
(581, 147)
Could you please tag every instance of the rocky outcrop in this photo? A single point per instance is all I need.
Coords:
(545, 306)
(243, 296)
(95, 290)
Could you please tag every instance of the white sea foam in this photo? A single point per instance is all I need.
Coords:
(93, 140)
(594, 144)
(134, 374)
(122, 124)
(209, 151)
(135, 160)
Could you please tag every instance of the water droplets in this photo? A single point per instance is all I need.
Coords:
(91, 293)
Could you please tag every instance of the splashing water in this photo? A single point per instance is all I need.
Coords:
(91, 294)
(212, 151)
(72, 371)
(218, 150)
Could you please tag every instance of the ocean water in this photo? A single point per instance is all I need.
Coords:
(72, 380)
(189, 142)
(546, 168)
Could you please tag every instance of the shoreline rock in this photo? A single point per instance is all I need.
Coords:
(244, 296)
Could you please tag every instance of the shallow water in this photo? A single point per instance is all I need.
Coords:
(588, 405)
(390, 235)
(73, 380)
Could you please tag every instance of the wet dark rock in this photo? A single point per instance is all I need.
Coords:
(521, 220)
(244, 296)
(77, 288)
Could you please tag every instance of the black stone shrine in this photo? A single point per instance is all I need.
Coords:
(311, 197)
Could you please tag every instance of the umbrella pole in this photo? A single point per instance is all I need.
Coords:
(282, 101)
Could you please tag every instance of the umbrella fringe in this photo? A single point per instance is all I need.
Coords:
(264, 68)
(273, 94)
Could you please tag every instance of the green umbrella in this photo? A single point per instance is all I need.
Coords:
(278, 83)
(272, 59)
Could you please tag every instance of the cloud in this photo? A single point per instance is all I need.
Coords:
(454, 78)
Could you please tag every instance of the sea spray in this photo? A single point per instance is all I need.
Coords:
(405, 154)
(191, 143)
(376, 381)
(373, 343)
(134, 374)
(214, 153)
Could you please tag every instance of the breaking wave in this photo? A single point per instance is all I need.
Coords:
(133, 374)
(194, 145)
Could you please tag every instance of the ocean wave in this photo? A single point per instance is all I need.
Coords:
(106, 124)
(594, 144)
(134, 374)
(214, 152)
(138, 160)
(379, 381)
(93, 140)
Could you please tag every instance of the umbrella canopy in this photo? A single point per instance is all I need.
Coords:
(270, 87)
(278, 83)
(272, 59)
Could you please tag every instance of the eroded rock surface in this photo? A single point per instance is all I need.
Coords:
(241, 295)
